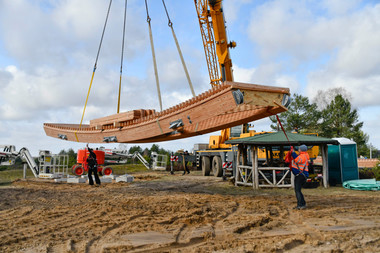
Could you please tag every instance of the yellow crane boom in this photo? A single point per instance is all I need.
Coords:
(215, 43)
(216, 46)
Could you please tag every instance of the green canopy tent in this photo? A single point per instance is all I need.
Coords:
(278, 139)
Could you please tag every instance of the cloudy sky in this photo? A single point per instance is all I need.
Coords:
(48, 50)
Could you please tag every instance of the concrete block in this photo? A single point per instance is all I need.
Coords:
(125, 178)
(102, 179)
(109, 176)
(76, 180)
(105, 180)
(58, 180)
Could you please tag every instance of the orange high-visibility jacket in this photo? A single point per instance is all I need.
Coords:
(303, 164)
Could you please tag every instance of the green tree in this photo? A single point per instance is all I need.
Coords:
(72, 156)
(155, 148)
(340, 120)
(301, 115)
(335, 118)
(133, 149)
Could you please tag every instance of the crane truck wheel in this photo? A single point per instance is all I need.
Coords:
(217, 166)
(107, 171)
(205, 166)
(78, 170)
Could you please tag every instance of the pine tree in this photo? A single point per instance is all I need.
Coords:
(301, 116)
(340, 120)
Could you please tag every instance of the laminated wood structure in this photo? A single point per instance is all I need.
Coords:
(224, 106)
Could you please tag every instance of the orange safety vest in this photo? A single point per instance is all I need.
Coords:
(302, 161)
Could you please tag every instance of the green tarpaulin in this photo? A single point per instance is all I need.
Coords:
(363, 185)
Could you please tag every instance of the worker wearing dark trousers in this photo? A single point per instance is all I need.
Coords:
(185, 157)
(299, 181)
(92, 168)
(300, 170)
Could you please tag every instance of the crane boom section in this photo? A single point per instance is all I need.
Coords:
(214, 37)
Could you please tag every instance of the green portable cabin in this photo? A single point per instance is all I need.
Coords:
(343, 161)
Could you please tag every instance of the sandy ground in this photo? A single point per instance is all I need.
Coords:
(161, 213)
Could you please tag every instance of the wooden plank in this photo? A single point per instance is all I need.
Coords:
(325, 163)
(258, 87)
(273, 168)
(262, 98)
(237, 166)
(119, 117)
(256, 168)
(283, 178)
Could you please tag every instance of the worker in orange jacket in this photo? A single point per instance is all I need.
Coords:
(300, 169)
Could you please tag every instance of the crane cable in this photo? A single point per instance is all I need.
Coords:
(122, 56)
(93, 72)
(148, 19)
(170, 24)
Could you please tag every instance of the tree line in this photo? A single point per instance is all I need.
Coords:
(330, 115)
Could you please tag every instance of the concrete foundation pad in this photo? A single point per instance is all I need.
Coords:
(105, 180)
(76, 180)
(109, 176)
(58, 180)
(125, 178)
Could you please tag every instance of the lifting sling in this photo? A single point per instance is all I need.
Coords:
(122, 55)
(170, 24)
(93, 72)
(148, 19)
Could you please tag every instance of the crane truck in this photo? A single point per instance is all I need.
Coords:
(217, 156)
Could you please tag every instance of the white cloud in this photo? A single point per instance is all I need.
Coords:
(371, 118)
(355, 66)
(288, 28)
(339, 7)
(231, 8)
(338, 46)
(267, 74)
(363, 90)
(76, 18)
(25, 95)
(243, 75)
(287, 81)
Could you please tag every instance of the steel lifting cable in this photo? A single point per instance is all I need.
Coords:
(148, 19)
(122, 56)
(93, 72)
(170, 24)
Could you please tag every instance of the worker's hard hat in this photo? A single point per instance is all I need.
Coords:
(303, 148)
